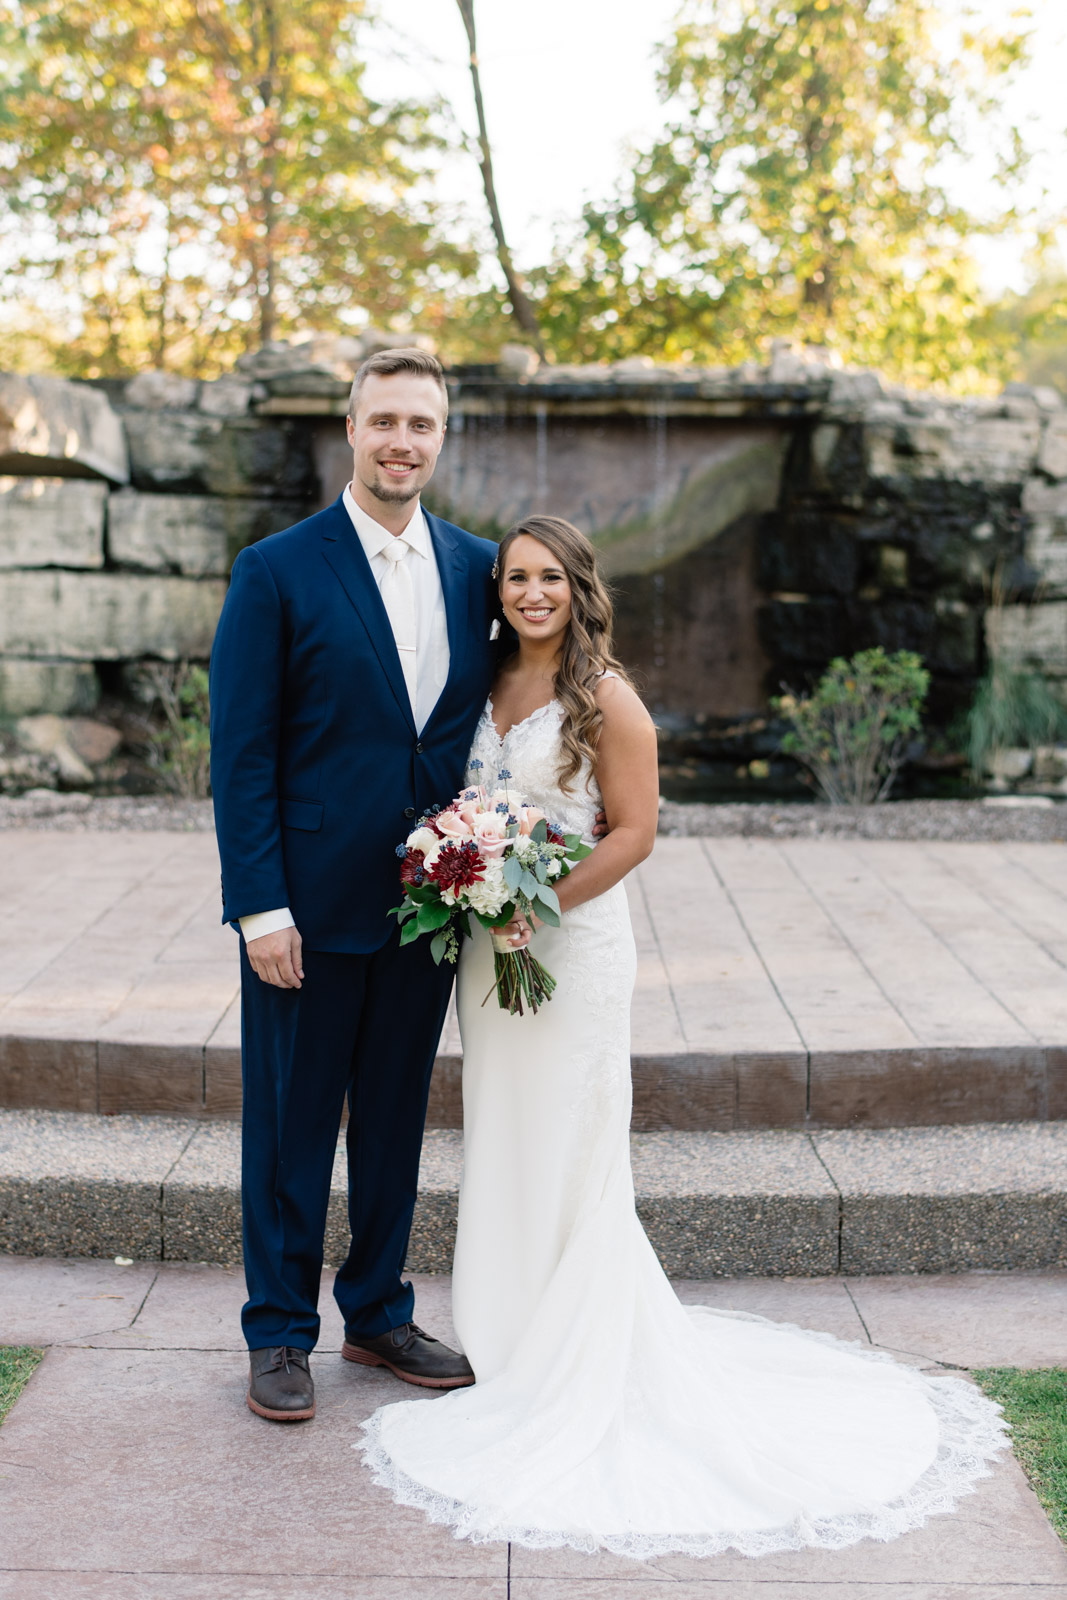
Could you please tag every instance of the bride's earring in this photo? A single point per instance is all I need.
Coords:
(496, 569)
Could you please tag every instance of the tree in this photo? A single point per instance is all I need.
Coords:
(191, 177)
(800, 187)
(521, 308)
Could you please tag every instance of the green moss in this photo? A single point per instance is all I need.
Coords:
(1035, 1403)
(17, 1364)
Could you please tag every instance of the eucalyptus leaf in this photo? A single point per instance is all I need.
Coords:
(437, 946)
(539, 832)
(548, 897)
(529, 886)
(513, 871)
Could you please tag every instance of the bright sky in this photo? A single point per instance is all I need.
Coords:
(569, 85)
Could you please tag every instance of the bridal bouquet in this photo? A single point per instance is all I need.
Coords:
(489, 854)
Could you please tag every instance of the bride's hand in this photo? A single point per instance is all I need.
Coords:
(521, 929)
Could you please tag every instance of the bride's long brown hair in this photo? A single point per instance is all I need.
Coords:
(587, 647)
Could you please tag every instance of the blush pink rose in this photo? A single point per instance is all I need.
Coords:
(469, 809)
(452, 825)
(490, 828)
(529, 817)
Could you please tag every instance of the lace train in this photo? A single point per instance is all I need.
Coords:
(971, 1433)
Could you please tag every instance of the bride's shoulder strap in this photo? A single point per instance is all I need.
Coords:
(607, 673)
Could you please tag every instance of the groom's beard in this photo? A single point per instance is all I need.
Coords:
(394, 494)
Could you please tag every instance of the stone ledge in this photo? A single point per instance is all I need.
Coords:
(714, 1205)
(700, 1091)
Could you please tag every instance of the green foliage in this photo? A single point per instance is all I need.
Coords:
(1035, 1403)
(852, 731)
(181, 748)
(17, 1365)
(186, 180)
(798, 190)
(1012, 708)
(1034, 324)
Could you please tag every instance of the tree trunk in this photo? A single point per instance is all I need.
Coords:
(521, 307)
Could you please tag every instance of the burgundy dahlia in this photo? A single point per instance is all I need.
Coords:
(411, 867)
(458, 866)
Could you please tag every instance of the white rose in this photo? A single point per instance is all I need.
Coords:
(426, 840)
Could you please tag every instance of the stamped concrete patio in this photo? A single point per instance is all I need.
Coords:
(782, 983)
(131, 1468)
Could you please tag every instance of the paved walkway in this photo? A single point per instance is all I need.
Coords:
(131, 1469)
(793, 957)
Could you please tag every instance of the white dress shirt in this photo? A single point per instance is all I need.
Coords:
(432, 654)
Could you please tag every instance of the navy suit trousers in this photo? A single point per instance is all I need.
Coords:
(362, 1025)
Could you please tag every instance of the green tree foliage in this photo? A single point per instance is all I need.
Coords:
(800, 188)
(190, 177)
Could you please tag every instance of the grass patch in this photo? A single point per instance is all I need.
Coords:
(1035, 1403)
(17, 1363)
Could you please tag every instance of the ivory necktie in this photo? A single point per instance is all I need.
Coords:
(398, 596)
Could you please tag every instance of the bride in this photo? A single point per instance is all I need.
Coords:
(605, 1414)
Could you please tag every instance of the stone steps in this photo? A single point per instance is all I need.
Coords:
(770, 1203)
(694, 1090)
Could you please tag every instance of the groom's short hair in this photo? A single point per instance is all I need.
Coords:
(387, 363)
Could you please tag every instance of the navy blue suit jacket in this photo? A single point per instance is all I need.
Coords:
(316, 769)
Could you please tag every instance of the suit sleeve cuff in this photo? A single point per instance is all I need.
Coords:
(263, 922)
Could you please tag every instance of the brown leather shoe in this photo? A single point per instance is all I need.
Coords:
(413, 1356)
(280, 1386)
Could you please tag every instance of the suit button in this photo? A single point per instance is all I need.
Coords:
(418, 748)
(409, 811)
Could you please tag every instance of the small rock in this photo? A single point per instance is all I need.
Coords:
(49, 735)
(1011, 801)
(47, 803)
(95, 742)
(1009, 765)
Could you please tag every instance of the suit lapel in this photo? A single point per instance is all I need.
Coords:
(345, 556)
(455, 587)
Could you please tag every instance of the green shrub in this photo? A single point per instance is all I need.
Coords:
(181, 748)
(1012, 708)
(852, 731)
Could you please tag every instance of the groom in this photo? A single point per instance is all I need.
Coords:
(350, 666)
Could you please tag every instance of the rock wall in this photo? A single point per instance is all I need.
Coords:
(754, 521)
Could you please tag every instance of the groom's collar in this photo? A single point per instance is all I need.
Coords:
(374, 538)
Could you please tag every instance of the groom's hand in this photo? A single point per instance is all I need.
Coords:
(276, 958)
(600, 826)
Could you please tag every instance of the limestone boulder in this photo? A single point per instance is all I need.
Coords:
(107, 616)
(58, 428)
(229, 397)
(1046, 534)
(188, 452)
(52, 522)
(1032, 636)
(161, 391)
(196, 535)
(968, 447)
(1053, 455)
(29, 687)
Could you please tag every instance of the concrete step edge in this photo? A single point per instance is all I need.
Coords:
(776, 1203)
(698, 1090)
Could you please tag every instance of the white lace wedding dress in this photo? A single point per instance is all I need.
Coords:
(606, 1414)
